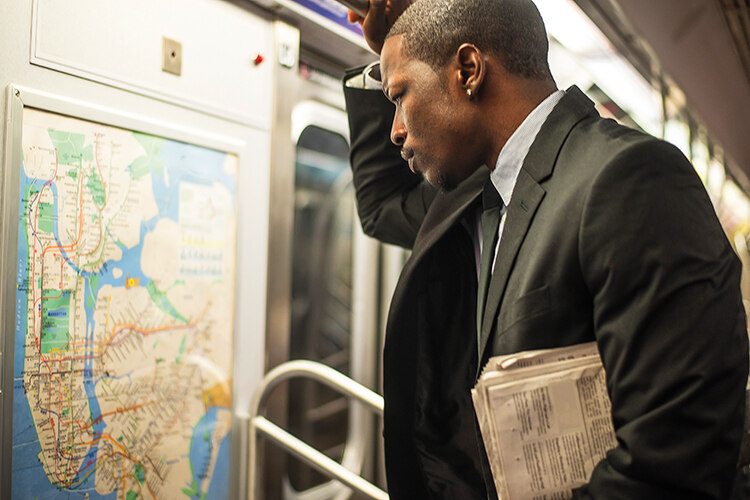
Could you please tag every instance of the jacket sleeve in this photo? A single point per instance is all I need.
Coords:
(391, 200)
(670, 327)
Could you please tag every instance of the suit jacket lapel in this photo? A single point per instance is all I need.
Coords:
(527, 195)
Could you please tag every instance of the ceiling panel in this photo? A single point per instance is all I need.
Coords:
(703, 46)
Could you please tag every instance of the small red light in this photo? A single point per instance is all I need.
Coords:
(258, 59)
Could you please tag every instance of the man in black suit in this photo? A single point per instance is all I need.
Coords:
(550, 226)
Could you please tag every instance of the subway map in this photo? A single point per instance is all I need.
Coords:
(124, 307)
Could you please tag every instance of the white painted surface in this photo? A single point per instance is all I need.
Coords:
(109, 62)
(120, 44)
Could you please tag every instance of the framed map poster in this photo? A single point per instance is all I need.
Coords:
(122, 307)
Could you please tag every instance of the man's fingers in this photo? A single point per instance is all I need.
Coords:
(377, 9)
(354, 17)
(379, 18)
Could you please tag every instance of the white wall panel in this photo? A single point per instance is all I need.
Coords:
(120, 44)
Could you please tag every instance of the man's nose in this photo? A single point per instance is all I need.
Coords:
(398, 131)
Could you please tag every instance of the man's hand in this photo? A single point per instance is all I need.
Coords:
(378, 20)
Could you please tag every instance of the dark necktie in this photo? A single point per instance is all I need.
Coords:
(492, 205)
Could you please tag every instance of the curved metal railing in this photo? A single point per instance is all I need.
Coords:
(261, 425)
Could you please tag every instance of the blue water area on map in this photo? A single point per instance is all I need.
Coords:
(21, 284)
(187, 163)
(201, 448)
(23, 428)
(219, 487)
(30, 481)
(197, 164)
(183, 163)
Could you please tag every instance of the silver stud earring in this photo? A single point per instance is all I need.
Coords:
(468, 93)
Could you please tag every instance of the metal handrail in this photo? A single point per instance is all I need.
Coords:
(329, 467)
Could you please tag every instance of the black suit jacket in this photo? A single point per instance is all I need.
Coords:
(609, 236)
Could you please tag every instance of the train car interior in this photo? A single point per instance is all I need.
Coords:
(188, 304)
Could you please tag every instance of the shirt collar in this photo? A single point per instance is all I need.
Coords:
(510, 159)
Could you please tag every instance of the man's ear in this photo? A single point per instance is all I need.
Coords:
(472, 68)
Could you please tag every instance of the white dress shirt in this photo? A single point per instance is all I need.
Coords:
(508, 165)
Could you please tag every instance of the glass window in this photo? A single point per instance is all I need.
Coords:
(321, 292)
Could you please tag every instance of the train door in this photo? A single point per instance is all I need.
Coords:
(331, 299)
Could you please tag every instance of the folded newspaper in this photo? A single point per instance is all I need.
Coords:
(545, 418)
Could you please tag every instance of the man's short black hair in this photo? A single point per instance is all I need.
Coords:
(511, 29)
